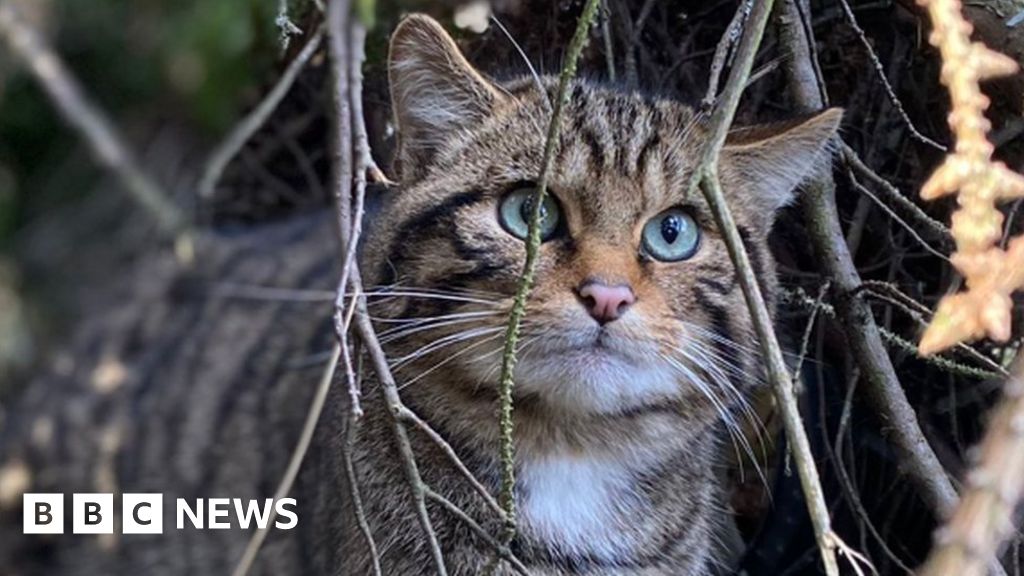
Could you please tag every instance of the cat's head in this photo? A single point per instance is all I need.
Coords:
(636, 303)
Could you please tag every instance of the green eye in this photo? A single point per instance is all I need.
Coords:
(514, 214)
(671, 236)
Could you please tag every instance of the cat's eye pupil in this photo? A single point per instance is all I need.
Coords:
(671, 236)
(670, 228)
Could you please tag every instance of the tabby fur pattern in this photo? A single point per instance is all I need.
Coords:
(618, 425)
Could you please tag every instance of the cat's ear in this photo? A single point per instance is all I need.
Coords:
(765, 164)
(435, 91)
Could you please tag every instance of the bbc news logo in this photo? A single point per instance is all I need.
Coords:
(143, 513)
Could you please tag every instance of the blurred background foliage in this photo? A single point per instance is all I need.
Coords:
(189, 66)
(196, 62)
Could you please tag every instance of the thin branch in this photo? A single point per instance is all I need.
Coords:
(637, 28)
(722, 51)
(921, 313)
(340, 35)
(779, 375)
(706, 177)
(389, 392)
(851, 18)
(351, 425)
(798, 297)
(503, 551)
(895, 217)
(337, 16)
(1010, 218)
(93, 125)
(252, 549)
(363, 163)
(343, 317)
(508, 360)
(939, 361)
(806, 339)
(984, 519)
(894, 195)
(850, 489)
(407, 415)
(254, 120)
(883, 388)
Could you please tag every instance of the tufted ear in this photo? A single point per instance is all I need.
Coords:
(764, 164)
(435, 91)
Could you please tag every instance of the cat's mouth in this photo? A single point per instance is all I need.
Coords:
(596, 345)
(601, 374)
(603, 344)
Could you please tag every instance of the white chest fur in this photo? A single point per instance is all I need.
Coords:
(581, 504)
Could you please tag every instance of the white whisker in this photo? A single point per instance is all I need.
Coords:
(448, 359)
(405, 330)
(424, 295)
(722, 382)
(442, 342)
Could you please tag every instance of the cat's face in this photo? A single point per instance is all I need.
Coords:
(636, 304)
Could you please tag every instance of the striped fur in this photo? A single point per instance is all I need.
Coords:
(617, 426)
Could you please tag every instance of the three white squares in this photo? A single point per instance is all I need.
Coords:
(92, 513)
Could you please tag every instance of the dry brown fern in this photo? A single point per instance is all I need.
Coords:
(990, 273)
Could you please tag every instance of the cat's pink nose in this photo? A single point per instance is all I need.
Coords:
(606, 303)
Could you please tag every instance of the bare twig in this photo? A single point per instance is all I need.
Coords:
(389, 391)
(895, 217)
(254, 120)
(847, 483)
(363, 163)
(411, 417)
(503, 551)
(340, 35)
(806, 339)
(851, 18)
(921, 313)
(984, 519)
(894, 195)
(1010, 220)
(851, 490)
(252, 549)
(351, 424)
(92, 123)
(706, 177)
(722, 51)
(883, 388)
(508, 361)
(636, 30)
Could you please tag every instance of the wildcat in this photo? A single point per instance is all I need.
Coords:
(637, 350)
